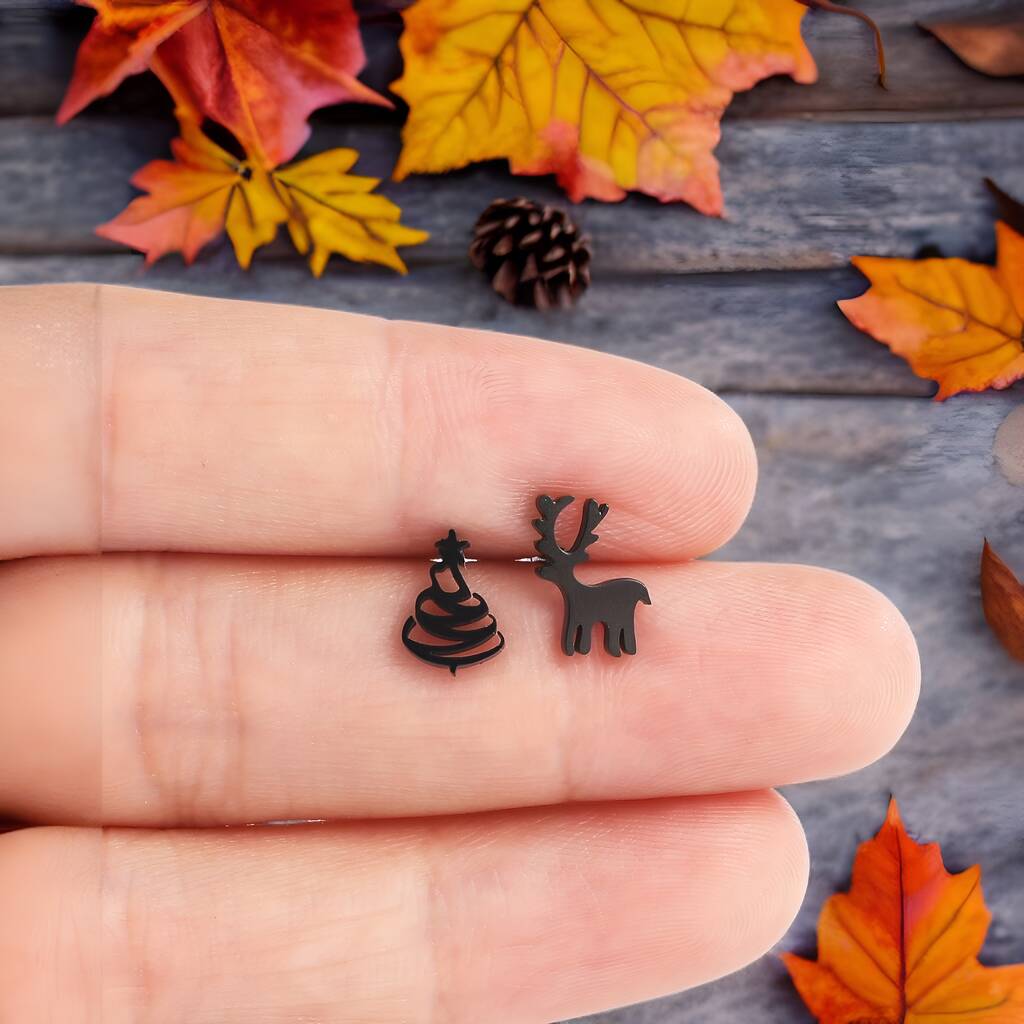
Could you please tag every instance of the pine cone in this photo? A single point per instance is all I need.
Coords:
(533, 255)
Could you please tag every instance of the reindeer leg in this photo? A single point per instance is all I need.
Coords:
(629, 639)
(612, 637)
(583, 637)
(569, 637)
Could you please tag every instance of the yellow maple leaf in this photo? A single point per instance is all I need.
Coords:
(329, 210)
(609, 95)
(206, 190)
(955, 322)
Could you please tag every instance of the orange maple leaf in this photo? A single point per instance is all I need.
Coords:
(258, 67)
(901, 946)
(193, 198)
(609, 95)
(206, 190)
(1002, 597)
(955, 322)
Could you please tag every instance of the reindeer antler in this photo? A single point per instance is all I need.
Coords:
(550, 509)
(593, 513)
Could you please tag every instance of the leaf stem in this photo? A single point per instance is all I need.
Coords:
(833, 8)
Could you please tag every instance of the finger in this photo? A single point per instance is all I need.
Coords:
(146, 421)
(518, 918)
(226, 690)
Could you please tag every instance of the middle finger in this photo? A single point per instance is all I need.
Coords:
(192, 690)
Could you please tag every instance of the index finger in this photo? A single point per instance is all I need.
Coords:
(138, 420)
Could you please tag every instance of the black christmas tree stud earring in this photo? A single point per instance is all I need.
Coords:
(459, 620)
(612, 602)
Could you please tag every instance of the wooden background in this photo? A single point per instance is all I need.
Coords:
(860, 471)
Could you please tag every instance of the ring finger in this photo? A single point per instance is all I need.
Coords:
(452, 919)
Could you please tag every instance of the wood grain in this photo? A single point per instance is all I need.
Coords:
(832, 190)
(731, 332)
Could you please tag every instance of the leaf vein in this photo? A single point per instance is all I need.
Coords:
(966, 314)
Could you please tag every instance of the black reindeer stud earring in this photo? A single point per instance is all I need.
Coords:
(612, 603)
(459, 619)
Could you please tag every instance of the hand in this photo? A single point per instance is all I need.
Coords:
(537, 838)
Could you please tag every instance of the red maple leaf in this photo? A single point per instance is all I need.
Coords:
(258, 67)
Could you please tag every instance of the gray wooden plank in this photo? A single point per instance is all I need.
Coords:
(799, 194)
(899, 493)
(733, 332)
(38, 41)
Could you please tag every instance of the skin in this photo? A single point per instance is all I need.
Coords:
(215, 517)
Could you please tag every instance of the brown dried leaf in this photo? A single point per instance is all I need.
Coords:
(1002, 597)
(993, 45)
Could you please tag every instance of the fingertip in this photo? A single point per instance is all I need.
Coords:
(876, 673)
(771, 860)
(890, 671)
(790, 871)
(689, 481)
(732, 479)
